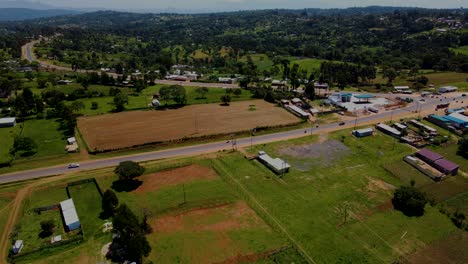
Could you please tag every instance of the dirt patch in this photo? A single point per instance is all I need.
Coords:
(375, 185)
(325, 153)
(135, 128)
(218, 219)
(451, 250)
(155, 181)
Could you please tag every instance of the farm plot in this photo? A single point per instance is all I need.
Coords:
(129, 129)
(197, 218)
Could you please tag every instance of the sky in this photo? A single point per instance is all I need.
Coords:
(245, 4)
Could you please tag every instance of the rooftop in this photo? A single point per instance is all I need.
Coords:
(69, 212)
(7, 120)
(364, 96)
(277, 163)
(430, 155)
(447, 164)
(458, 116)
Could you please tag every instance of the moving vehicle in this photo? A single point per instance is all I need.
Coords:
(341, 123)
(73, 165)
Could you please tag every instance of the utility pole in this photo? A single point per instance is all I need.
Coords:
(183, 188)
(355, 121)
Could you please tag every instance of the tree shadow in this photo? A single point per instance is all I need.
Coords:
(44, 234)
(126, 185)
(28, 153)
(105, 215)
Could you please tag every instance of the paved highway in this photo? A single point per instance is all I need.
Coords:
(218, 146)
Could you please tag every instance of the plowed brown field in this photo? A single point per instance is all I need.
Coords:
(129, 129)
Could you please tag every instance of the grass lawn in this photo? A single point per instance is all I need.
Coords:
(45, 133)
(29, 224)
(212, 226)
(308, 202)
(141, 101)
(262, 61)
(435, 78)
(462, 50)
(310, 65)
(88, 206)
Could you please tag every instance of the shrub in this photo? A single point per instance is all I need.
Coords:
(409, 200)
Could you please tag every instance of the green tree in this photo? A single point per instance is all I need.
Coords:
(131, 235)
(47, 227)
(94, 105)
(24, 144)
(77, 106)
(128, 170)
(463, 147)
(310, 90)
(390, 74)
(120, 100)
(237, 92)
(41, 82)
(409, 200)
(179, 94)
(109, 203)
(226, 99)
(422, 80)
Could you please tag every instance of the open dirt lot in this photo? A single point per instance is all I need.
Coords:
(155, 181)
(210, 235)
(128, 129)
(444, 251)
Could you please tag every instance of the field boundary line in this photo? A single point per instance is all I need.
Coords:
(298, 246)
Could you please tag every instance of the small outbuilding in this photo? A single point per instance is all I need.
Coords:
(7, 122)
(69, 215)
(71, 140)
(18, 246)
(277, 165)
(363, 132)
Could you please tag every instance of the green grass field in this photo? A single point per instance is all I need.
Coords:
(461, 50)
(435, 78)
(213, 215)
(29, 225)
(45, 133)
(141, 101)
(87, 202)
(307, 202)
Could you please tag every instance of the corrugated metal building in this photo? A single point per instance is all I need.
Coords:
(446, 166)
(363, 132)
(277, 165)
(69, 215)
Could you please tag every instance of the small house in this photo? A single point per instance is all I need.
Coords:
(17, 246)
(363, 132)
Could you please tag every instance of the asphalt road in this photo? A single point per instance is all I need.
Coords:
(218, 146)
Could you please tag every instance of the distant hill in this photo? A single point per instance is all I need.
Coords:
(16, 14)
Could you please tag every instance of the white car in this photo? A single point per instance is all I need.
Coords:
(73, 165)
